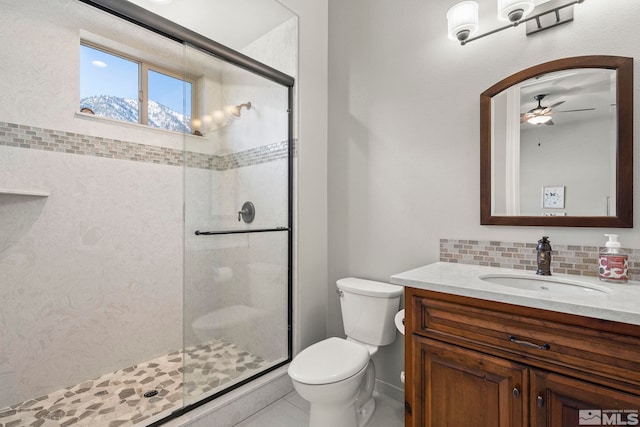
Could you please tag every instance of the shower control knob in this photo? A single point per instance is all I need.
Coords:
(247, 213)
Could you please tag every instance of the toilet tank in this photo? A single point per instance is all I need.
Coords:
(368, 309)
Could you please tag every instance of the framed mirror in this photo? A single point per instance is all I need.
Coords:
(556, 145)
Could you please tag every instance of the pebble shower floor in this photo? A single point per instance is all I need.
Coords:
(117, 399)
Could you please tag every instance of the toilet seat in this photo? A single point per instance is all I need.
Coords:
(328, 361)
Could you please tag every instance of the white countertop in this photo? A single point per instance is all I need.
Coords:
(620, 303)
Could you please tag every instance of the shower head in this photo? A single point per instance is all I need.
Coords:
(236, 110)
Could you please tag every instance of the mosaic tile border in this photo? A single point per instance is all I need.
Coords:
(566, 259)
(28, 137)
(118, 398)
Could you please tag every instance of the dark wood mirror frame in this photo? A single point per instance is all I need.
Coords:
(624, 158)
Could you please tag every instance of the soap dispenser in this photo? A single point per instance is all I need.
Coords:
(613, 262)
(544, 256)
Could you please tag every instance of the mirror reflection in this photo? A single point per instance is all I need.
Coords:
(554, 145)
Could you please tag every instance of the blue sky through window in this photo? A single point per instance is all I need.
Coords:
(170, 92)
(105, 74)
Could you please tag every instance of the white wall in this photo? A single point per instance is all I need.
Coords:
(576, 156)
(404, 144)
(310, 307)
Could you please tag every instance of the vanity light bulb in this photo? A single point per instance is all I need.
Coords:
(462, 20)
(514, 10)
(218, 115)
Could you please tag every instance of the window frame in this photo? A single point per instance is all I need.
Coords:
(144, 67)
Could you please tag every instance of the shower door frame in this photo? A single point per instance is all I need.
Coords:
(158, 24)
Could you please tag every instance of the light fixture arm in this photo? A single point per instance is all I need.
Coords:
(537, 17)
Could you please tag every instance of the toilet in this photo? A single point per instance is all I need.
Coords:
(337, 375)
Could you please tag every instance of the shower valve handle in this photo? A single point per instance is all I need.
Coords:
(247, 213)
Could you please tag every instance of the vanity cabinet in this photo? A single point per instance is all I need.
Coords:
(472, 362)
(464, 387)
(557, 401)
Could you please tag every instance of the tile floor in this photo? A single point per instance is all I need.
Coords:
(117, 399)
(114, 400)
(293, 411)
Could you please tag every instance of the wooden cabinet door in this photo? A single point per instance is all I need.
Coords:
(559, 401)
(456, 387)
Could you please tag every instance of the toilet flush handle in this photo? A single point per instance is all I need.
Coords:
(340, 293)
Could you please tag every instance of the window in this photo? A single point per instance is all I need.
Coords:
(169, 101)
(130, 90)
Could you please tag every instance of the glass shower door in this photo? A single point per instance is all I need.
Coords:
(237, 229)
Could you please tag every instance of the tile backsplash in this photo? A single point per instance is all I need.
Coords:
(566, 259)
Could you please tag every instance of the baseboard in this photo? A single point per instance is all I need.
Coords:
(233, 407)
(389, 390)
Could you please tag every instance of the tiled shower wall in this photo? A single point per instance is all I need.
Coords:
(102, 253)
(566, 259)
(15, 135)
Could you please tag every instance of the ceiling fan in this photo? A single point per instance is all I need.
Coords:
(541, 115)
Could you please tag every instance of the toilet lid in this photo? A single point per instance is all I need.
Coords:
(328, 361)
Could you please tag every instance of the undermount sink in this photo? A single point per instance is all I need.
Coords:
(545, 284)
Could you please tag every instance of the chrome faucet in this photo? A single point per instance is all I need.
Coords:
(544, 256)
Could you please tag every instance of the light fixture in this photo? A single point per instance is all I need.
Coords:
(514, 10)
(539, 115)
(236, 110)
(462, 18)
(538, 120)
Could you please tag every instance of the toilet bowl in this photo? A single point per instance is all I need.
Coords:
(337, 375)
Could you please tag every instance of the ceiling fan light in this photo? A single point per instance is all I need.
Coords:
(538, 120)
(462, 20)
(514, 10)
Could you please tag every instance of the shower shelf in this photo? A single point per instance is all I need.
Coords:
(33, 193)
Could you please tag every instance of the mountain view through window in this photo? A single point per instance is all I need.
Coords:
(109, 87)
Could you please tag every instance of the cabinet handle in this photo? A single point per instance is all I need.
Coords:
(540, 401)
(529, 344)
(407, 407)
(516, 392)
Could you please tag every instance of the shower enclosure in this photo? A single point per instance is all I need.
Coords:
(237, 229)
(145, 240)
